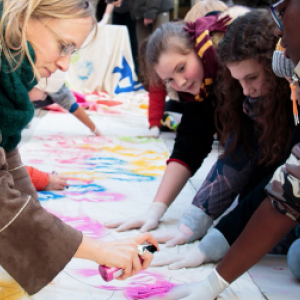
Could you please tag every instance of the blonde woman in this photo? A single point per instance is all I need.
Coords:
(37, 38)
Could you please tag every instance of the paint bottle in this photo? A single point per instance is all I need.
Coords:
(109, 274)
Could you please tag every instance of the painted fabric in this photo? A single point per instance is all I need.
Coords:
(283, 189)
(106, 64)
(200, 35)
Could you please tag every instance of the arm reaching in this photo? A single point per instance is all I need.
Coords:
(210, 249)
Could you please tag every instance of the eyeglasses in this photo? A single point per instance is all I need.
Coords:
(277, 15)
(64, 47)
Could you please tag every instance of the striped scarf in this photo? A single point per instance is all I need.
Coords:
(199, 32)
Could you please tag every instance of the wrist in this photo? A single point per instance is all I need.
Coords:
(217, 283)
(194, 223)
(157, 209)
(213, 245)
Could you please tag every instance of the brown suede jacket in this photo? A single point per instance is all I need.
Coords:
(34, 244)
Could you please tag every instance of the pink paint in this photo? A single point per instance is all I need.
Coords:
(91, 228)
(87, 272)
(144, 286)
(95, 196)
(36, 161)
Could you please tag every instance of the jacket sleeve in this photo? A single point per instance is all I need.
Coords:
(283, 189)
(152, 9)
(157, 96)
(195, 134)
(38, 178)
(35, 245)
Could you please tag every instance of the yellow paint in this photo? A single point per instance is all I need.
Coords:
(10, 290)
(144, 106)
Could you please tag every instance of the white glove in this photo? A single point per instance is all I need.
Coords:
(96, 131)
(190, 259)
(104, 19)
(193, 225)
(147, 221)
(170, 237)
(154, 132)
(210, 249)
(207, 289)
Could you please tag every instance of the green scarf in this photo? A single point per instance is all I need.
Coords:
(16, 110)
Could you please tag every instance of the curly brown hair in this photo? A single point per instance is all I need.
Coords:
(251, 37)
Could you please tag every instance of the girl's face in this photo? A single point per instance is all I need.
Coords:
(251, 76)
(49, 37)
(182, 72)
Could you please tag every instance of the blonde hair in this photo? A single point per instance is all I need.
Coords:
(203, 7)
(16, 12)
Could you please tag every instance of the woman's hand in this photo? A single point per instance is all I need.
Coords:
(120, 253)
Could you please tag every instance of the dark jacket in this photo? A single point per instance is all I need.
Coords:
(149, 9)
(124, 8)
(195, 133)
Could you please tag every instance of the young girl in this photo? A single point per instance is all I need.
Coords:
(183, 57)
(37, 38)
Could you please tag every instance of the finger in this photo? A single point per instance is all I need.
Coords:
(126, 272)
(163, 236)
(146, 260)
(166, 259)
(176, 241)
(149, 226)
(179, 265)
(137, 266)
(130, 225)
(113, 224)
(146, 238)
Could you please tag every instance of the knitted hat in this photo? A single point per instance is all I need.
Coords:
(282, 66)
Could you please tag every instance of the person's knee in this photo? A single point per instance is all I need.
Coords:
(293, 258)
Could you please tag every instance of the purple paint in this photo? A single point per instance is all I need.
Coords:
(87, 273)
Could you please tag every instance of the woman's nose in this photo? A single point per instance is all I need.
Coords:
(63, 62)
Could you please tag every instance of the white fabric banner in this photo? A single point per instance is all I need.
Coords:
(106, 64)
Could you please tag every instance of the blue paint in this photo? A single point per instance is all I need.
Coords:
(85, 70)
(45, 196)
(126, 72)
(85, 188)
(125, 175)
(94, 161)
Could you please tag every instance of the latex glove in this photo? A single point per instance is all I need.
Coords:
(170, 237)
(96, 131)
(211, 248)
(145, 222)
(104, 19)
(207, 289)
(56, 182)
(193, 225)
(154, 131)
(190, 259)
